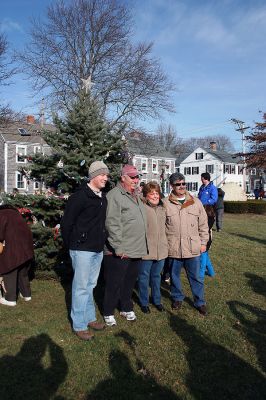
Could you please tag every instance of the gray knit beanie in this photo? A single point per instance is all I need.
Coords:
(97, 168)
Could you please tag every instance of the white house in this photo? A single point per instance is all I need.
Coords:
(222, 166)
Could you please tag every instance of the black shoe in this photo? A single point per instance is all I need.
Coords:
(176, 305)
(145, 309)
(159, 307)
(202, 310)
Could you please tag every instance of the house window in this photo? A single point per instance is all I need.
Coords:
(210, 168)
(195, 170)
(177, 169)
(199, 156)
(187, 171)
(37, 149)
(192, 186)
(230, 169)
(144, 165)
(240, 170)
(144, 181)
(154, 166)
(252, 171)
(21, 154)
(20, 181)
(36, 185)
(168, 166)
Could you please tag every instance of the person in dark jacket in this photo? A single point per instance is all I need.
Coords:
(220, 210)
(16, 257)
(83, 232)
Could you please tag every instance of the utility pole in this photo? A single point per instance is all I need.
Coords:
(242, 128)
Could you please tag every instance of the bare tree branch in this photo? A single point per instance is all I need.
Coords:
(94, 38)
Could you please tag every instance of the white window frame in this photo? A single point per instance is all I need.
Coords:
(156, 162)
(210, 168)
(193, 171)
(253, 171)
(22, 155)
(169, 164)
(144, 180)
(37, 149)
(199, 157)
(187, 170)
(23, 181)
(144, 161)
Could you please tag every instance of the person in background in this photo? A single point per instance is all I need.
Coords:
(16, 257)
(187, 235)
(83, 232)
(208, 195)
(219, 209)
(257, 193)
(151, 266)
(126, 245)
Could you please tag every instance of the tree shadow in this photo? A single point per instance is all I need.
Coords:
(125, 383)
(215, 372)
(23, 376)
(257, 283)
(251, 238)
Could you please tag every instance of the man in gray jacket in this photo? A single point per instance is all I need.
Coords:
(127, 243)
(187, 233)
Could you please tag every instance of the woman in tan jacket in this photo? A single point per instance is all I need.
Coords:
(151, 265)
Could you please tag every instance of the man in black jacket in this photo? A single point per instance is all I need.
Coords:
(83, 232)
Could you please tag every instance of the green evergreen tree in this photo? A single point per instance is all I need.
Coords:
(82, 137)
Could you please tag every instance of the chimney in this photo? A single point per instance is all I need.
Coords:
(213, 146)
(30, 119)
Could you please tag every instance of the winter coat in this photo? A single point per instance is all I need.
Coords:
(126, 224)
(83, 222)
(208, 195)
(17, 235)
(186, 226)
(156, 236)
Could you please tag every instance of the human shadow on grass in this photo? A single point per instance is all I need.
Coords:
(257, 283)
(215, 372)
(251, 238)
(24, 377)
(125, 383)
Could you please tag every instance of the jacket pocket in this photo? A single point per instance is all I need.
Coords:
(195, 244)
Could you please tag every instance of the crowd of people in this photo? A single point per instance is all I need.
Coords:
(133, 232)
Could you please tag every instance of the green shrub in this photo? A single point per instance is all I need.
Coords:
(242, 207)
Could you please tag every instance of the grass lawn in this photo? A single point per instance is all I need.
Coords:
(170, 355)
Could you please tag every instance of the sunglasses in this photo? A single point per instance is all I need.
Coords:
(179, 184)
(134, 177)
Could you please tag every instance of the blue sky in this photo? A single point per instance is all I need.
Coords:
(214, 52)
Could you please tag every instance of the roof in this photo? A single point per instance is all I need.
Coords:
(223, 155)
(146, 145)
(10, 133)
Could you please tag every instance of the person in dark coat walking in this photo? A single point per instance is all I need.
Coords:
(219, 209)
(16, 257)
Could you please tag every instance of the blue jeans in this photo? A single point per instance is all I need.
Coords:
(192, 267)
(86, 266)
(150, 273)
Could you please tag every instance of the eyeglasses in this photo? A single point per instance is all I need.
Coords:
(134, 177)
(179, 184)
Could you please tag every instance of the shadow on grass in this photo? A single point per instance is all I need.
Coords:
(251, 238)
(215, 372)
(24, 377)
(125, 383)
(257, 283)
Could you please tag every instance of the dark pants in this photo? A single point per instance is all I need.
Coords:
(17, 280)
(120, 278)
(219, 218)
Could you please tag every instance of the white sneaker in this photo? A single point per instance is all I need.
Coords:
(25, 298)
(7, 303)
(130, 315)
(109, 320)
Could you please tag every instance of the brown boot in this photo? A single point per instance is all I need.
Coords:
(97, 326)
(84, 335)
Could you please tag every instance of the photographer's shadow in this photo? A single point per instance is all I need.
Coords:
(23, 376)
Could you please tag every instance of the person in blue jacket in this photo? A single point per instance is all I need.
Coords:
(208, 195)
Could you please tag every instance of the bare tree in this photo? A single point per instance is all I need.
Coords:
(223, 143)
(93, 39)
